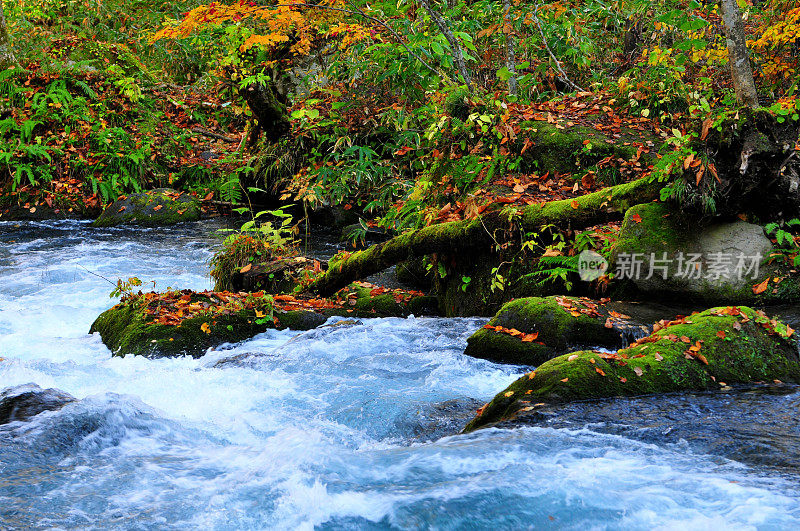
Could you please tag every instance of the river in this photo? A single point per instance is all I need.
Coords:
(344, 427)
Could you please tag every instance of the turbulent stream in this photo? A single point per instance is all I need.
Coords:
(348, 426)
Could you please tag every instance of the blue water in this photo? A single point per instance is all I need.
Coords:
(345, 427)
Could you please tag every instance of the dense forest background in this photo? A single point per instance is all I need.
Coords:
(401, 115)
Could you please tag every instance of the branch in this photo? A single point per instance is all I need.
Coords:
(206, 132)
(458, 54)
(563, 77)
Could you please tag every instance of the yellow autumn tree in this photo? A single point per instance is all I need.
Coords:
(777, 45)
(257, 37)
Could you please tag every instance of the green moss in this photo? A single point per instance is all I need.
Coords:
(746, 352)
(154, 208)
(562, 149)
(651, 226)
(558, 331)
(125, 329)
(383, 305)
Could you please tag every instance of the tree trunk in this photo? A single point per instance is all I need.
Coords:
(511, 61)
(268, 110)
(7, 58)
(481, 234)
(737, 54)
(458, 54)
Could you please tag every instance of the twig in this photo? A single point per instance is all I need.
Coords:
(98, 276)
(563, 77)
(224, 204)
(458, 54)
(211, 134)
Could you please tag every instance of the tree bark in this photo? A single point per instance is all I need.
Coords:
(480, 234)
(738, 57)
(7, 58)
(511, 61)
(268, 110)
(458, 54)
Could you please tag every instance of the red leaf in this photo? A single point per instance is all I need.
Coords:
(761, 288)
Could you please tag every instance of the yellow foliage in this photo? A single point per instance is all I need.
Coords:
(774, 42)
(784, 32)
(276, 24)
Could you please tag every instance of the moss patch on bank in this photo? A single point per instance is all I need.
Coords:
(706, 350)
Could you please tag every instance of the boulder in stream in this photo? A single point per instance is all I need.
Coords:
(22, 402)
(665, 255)
(135, 327)
(723, 345)
(154, 208)
(532, 330)
(178, 323)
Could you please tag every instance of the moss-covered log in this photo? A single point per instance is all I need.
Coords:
(713, 348)
(482, 232)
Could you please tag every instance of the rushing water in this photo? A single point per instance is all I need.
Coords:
(348, 426)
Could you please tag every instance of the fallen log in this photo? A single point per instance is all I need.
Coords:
(480, 233)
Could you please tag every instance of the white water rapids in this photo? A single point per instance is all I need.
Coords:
(344, 427)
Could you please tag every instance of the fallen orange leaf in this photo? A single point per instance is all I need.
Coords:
(761, 288)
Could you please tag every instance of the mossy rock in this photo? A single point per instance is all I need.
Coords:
(153, 208)
(125, 329)
(652, 231)
(562, 149)
(361, 303)
(559, 330)
(738, 345)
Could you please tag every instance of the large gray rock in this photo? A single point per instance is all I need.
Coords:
(153, 208)
(25, 401)
(661, 253)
